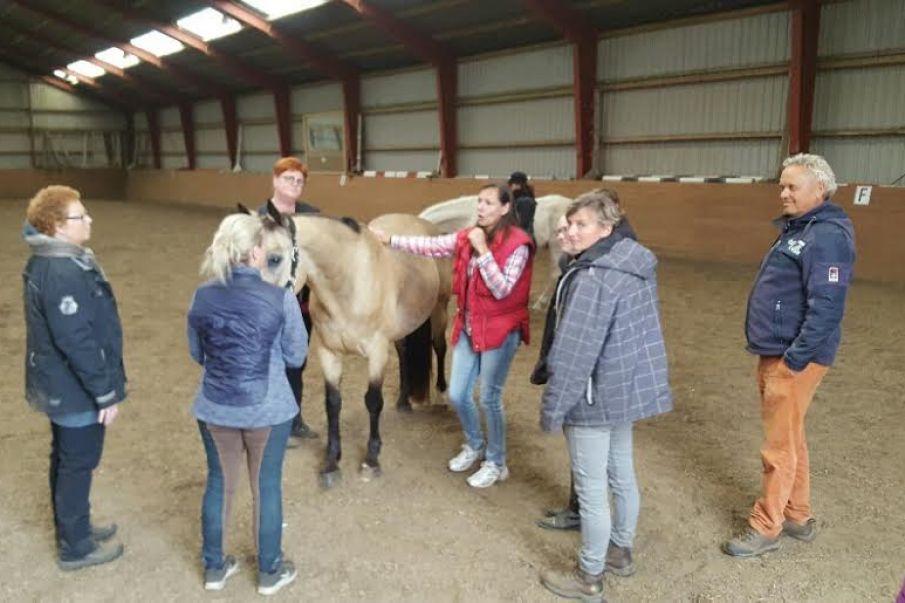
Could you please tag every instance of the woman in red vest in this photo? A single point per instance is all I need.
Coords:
(491, 279)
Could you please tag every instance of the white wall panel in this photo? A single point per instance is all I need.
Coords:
(44, 96)
(397, 88)
(532, 69)
(547, 119)
(8, 73)
(14, 119)
(140, 121)
(859, 26)
(262, 137)
(741, 42)
(315, 98)
(211, 140)
(256, 106)
(860, 98)
(258, 163)
(208, 112)
(755, 105)
(742, 158)
(169, 118)
(14, 141)
(875, 160)
(15, 162)
(13, 95)
(172, 149)
(72, 121)
(401, 129)
(212, 162)
(556, 162)
(402, 161)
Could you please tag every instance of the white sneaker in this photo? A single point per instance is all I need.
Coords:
(465, 459)
(489, 474)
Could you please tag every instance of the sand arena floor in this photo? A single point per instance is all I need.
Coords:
(419, 533)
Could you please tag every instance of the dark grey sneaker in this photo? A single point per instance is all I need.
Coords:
(215, 579)
(750, 543)
(562, 519)
(303, 431)
(619, 560)
(105, 552)
(574, 584)
(805, 532)
(103, 533)
(270, 584)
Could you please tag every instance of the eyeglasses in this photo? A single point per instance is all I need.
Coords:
(80, 218)
(293, 181)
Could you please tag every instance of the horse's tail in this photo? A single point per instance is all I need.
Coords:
(417, 358)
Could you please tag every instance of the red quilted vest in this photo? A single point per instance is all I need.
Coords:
(491, 319)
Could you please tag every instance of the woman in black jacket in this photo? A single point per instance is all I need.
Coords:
(73, 366)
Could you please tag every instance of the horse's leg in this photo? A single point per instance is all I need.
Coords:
(377, 360)
(438, 339)
(402, 402)
(332, 367)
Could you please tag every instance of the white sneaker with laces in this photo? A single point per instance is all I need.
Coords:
(466, 458)
(489, 474)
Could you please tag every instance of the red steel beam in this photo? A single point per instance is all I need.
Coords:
(430, 51)
(583, 37)
(804, 31)
(154, 134)
(351, 113)
(184, 75)
(284, 119)
(188, 132)
(231, 126)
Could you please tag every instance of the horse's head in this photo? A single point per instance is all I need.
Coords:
(278, 241)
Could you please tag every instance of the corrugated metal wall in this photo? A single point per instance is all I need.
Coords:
(859, 112)
(706, 98)
(400, 125)
(210, 136)
(41, 126)
(516, 113)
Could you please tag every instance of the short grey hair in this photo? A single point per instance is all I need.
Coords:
(818, 166)
(598, 201)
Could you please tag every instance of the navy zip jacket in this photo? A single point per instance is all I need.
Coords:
(796, 304)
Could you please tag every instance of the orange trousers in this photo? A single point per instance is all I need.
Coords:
(785, 396)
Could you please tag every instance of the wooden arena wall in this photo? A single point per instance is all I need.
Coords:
(706, 222)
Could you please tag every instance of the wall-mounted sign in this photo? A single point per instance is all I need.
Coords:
(862, 195)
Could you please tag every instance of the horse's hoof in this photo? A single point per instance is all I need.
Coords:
(329, 479)
(368, 472)
(405, 407)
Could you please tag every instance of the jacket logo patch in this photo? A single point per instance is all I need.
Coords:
(833, 274)
(68, 305)
(796, 245)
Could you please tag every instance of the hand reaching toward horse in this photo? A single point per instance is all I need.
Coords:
(382, 236)
(478, 240)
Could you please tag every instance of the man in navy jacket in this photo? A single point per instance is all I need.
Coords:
(793, 324)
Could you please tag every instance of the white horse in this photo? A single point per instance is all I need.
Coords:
(459, 213)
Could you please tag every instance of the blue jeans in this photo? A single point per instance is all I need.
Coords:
(492, 367)
(74, 454)
(601, 456)
(228, 449)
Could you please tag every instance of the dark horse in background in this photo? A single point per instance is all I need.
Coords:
(365, 296)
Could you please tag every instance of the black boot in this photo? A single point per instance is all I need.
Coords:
(301, 430)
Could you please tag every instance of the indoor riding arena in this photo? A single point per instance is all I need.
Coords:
(166, 114)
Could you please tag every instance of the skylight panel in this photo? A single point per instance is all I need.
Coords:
(157, 43)
(118, 57)
(274, 9)
(66, 77)
(87, 69)
(209, 24)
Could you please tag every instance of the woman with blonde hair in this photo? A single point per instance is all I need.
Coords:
(245, 332)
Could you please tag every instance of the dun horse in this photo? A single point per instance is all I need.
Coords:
(363, 297)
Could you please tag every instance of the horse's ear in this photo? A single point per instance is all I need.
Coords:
(274, 213)
(242, 209)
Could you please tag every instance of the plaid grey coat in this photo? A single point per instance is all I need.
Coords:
(608, 360)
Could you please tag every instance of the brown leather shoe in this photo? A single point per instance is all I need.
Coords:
(574, 584)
